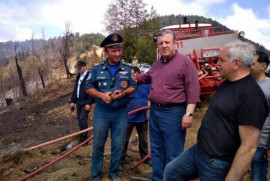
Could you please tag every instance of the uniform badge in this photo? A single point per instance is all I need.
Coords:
(101, 72)
(124, 84)
(123, 72)
(105, 84)
(114, 37)
(101, 78)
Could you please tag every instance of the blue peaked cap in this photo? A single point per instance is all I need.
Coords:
(113, 40)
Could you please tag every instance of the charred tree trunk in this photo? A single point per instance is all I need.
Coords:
(65, 53)
(69, 74)
(65, 49)
(23, 87)
(38, 65)
(41, 77)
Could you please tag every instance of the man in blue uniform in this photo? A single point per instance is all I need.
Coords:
(110, 83)
(82, 100)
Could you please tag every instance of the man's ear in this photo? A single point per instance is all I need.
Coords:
(237, 63)
(263, 66)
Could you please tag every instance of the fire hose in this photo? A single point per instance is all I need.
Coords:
(56, 160)
(142, 160)
(59, 139)
(139, 109)
(77, 133)
(74, 148)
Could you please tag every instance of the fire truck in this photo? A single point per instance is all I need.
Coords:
(202, 43)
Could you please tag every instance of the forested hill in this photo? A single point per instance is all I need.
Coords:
(173, 20)
(7, 49)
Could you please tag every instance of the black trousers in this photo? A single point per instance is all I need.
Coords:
(142, 129)
(82, 116)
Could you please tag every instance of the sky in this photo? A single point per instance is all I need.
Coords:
(22, 19)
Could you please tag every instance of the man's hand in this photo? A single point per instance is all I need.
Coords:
(186, 122)
(87, 107)
(106, 97)
(72, 106)
(117, 94)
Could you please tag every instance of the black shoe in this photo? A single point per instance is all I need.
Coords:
(80, 141)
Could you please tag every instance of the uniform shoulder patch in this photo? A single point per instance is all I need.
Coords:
(128, 64)
(100, 63)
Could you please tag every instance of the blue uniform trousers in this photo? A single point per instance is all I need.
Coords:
(167, 138)
(105, 119)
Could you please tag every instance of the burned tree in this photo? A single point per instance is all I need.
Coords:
(65, 49)
(21, 80)
(136, 24)
(38, 64)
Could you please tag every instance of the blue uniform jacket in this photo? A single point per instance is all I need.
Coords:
(137, 100)
(100, 78)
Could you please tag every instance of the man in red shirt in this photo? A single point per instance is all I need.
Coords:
(174, 93)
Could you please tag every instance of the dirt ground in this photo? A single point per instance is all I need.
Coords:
(47, 117)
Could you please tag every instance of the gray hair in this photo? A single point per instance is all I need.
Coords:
(164, 32)
(241, 50)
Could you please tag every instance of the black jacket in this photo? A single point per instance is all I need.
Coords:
(84, 98)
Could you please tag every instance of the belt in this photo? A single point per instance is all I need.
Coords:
(168, 105)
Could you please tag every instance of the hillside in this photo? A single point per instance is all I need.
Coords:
(7, 49)
(47, 117)
(44, 118)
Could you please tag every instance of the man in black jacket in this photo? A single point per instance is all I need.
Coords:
(82, 100)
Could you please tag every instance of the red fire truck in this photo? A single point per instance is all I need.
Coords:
(202, 43)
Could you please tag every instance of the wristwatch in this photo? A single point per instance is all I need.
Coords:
(188, 114)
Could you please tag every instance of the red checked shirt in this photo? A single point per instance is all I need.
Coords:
(173, 81)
